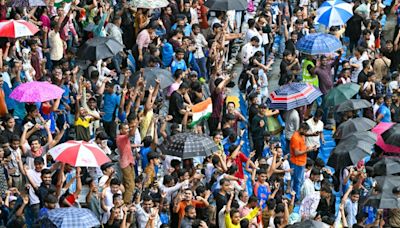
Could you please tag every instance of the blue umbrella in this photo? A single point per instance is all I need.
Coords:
(318, 43)
(334, 13)
(293, 95)
(72, 217)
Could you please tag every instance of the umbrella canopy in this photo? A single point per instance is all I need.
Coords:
(385, 199)
(293, 95)
(353, 104)
(392, 135)
(351, 126)
(153, 4)
(73, 217)
(352, 149)
(387, 166)
(26, 3)
(151, 74)
(224, 5)
(379, 129)
(79, 154)
(318, 44)
(17, 28)
(334, 13)
(35, 91)
(188, 145)
(99, 48)
(341, 94)
(310, 224)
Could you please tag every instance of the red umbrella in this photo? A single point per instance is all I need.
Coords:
(79, 154)
(379, 129)
(17, 28)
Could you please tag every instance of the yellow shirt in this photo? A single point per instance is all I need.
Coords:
(250, 216)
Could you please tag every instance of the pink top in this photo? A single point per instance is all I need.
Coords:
(173, 87)
(45, 20)
(143, 40)
(125, 151)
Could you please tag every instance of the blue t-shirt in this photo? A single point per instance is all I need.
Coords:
(65, 97)
(187, 30)
(262, 193)
(385, 111)
(178, 64)
(111, 103)
(143, 153)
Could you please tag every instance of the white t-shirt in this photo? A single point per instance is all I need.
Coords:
(393, 85)
(37, 180)
(314, 127)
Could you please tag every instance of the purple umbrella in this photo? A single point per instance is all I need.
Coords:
(36, 92)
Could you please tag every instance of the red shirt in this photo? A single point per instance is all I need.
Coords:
(125, 151)
(238, 161)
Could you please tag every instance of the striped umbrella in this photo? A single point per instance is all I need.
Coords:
(334, 13)
(79, 154)
(318, 44)
(17, 28)
(293, 95)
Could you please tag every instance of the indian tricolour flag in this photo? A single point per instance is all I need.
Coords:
(201, 111)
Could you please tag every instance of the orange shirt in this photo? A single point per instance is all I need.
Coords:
(3, 105)
(297, 142)
(183, 204)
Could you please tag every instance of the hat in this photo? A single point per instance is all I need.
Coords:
(262, 106)
(13, 198)
(106, 166)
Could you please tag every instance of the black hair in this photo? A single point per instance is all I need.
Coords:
(271, 204)
(184, 85)
(115, 181)
(252, 199)
(38, 160)
(45, 172)
(188, 208)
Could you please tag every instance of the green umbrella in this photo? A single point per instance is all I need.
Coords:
(341, 94)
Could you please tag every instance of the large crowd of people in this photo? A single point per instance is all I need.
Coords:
(268, 171)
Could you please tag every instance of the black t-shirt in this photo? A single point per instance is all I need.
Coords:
(284, 72)
(253, 110)
(394, 56)
(291, 46)
(175, 105)
(362, 77)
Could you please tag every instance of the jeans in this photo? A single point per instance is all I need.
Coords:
(202, 63)
(297, 179)
(117, 60)
(287, 149)
(128, 180)
(278, 46)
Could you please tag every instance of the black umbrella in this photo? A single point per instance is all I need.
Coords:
(392, 135)
(309, 224)
(99, 48)
(387, 166)
(353, 104)
(224, 5)
(354, 125)
(352, 149)
(151, 74)
(384, 198)
(188, 145)
(26, 3)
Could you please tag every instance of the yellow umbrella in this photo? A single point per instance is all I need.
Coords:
(233, 99)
